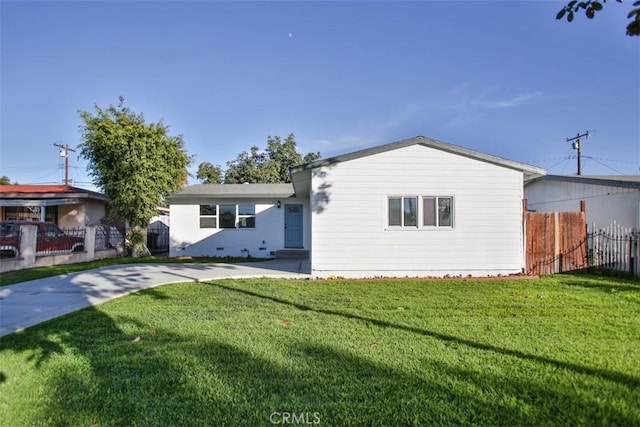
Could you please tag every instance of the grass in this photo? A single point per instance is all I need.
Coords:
(562, 350)
(18, 276)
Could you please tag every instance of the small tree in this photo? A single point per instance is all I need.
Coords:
(209, 174)
(135, 164)
(4, 180)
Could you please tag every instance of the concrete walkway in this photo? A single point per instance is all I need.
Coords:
(29, 303)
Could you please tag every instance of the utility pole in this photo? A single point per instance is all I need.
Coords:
(578, 146)
(65, 153)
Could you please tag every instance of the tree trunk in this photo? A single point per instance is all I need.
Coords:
(138, 239)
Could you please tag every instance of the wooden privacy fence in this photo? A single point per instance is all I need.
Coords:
(556, 242)
(559, 242)
(614, 248)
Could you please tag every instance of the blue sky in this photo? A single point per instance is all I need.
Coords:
(501, 77)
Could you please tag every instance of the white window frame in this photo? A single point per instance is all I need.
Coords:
(436, 213)
(419, 213)
(403, 199)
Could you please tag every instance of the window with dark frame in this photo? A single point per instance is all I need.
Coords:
(228, 216)
(246, 216)
(208, 216)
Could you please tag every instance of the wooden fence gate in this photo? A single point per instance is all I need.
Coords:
(556, 242)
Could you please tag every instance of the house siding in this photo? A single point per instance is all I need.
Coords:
(188, 239)
(349, 216)
(605, 204)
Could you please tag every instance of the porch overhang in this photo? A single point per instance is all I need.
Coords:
(38, 202)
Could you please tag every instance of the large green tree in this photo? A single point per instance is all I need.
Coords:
(252, 167)
(209, 173)
(590, 7)
(269, 166)
(4, 180)
(134, 163)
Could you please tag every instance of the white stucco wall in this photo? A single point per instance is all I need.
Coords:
(188, 239)
(604, 204)
(349, 216)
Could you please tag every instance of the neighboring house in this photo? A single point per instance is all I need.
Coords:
(65, 205)
(158, 231)
(161, 217)
(416, 207)
(607, 198)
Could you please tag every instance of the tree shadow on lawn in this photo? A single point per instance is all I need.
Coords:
(618, 377)
(601, 283)
(124, 372)
(217, 383)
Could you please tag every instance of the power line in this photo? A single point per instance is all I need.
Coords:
(560, 162)
(628, 162)
(47, 174)
(606, 166)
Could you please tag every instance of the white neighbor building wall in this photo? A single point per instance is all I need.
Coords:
(188, 239)
(349, 216)
(606, 200)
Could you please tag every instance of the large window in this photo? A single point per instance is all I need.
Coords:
(228, 216)
(420, 212)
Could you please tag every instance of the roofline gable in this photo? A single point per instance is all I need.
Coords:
(528, 170)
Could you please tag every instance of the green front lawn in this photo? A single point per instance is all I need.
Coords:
(563, 350)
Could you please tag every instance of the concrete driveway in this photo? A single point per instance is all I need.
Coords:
(29, 303)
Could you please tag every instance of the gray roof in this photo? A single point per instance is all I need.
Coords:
(624, 181)
(528, 170)
(242, 191)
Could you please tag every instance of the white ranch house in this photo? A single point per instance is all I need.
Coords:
(416, 207)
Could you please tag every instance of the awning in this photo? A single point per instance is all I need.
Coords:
(38, 202)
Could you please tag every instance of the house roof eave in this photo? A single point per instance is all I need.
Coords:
(528, 170)
(234, 191)
(622, 181)
(18, 191)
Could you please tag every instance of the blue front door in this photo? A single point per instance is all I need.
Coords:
(293, 226)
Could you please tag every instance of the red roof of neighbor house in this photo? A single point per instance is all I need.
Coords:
(46, 191)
